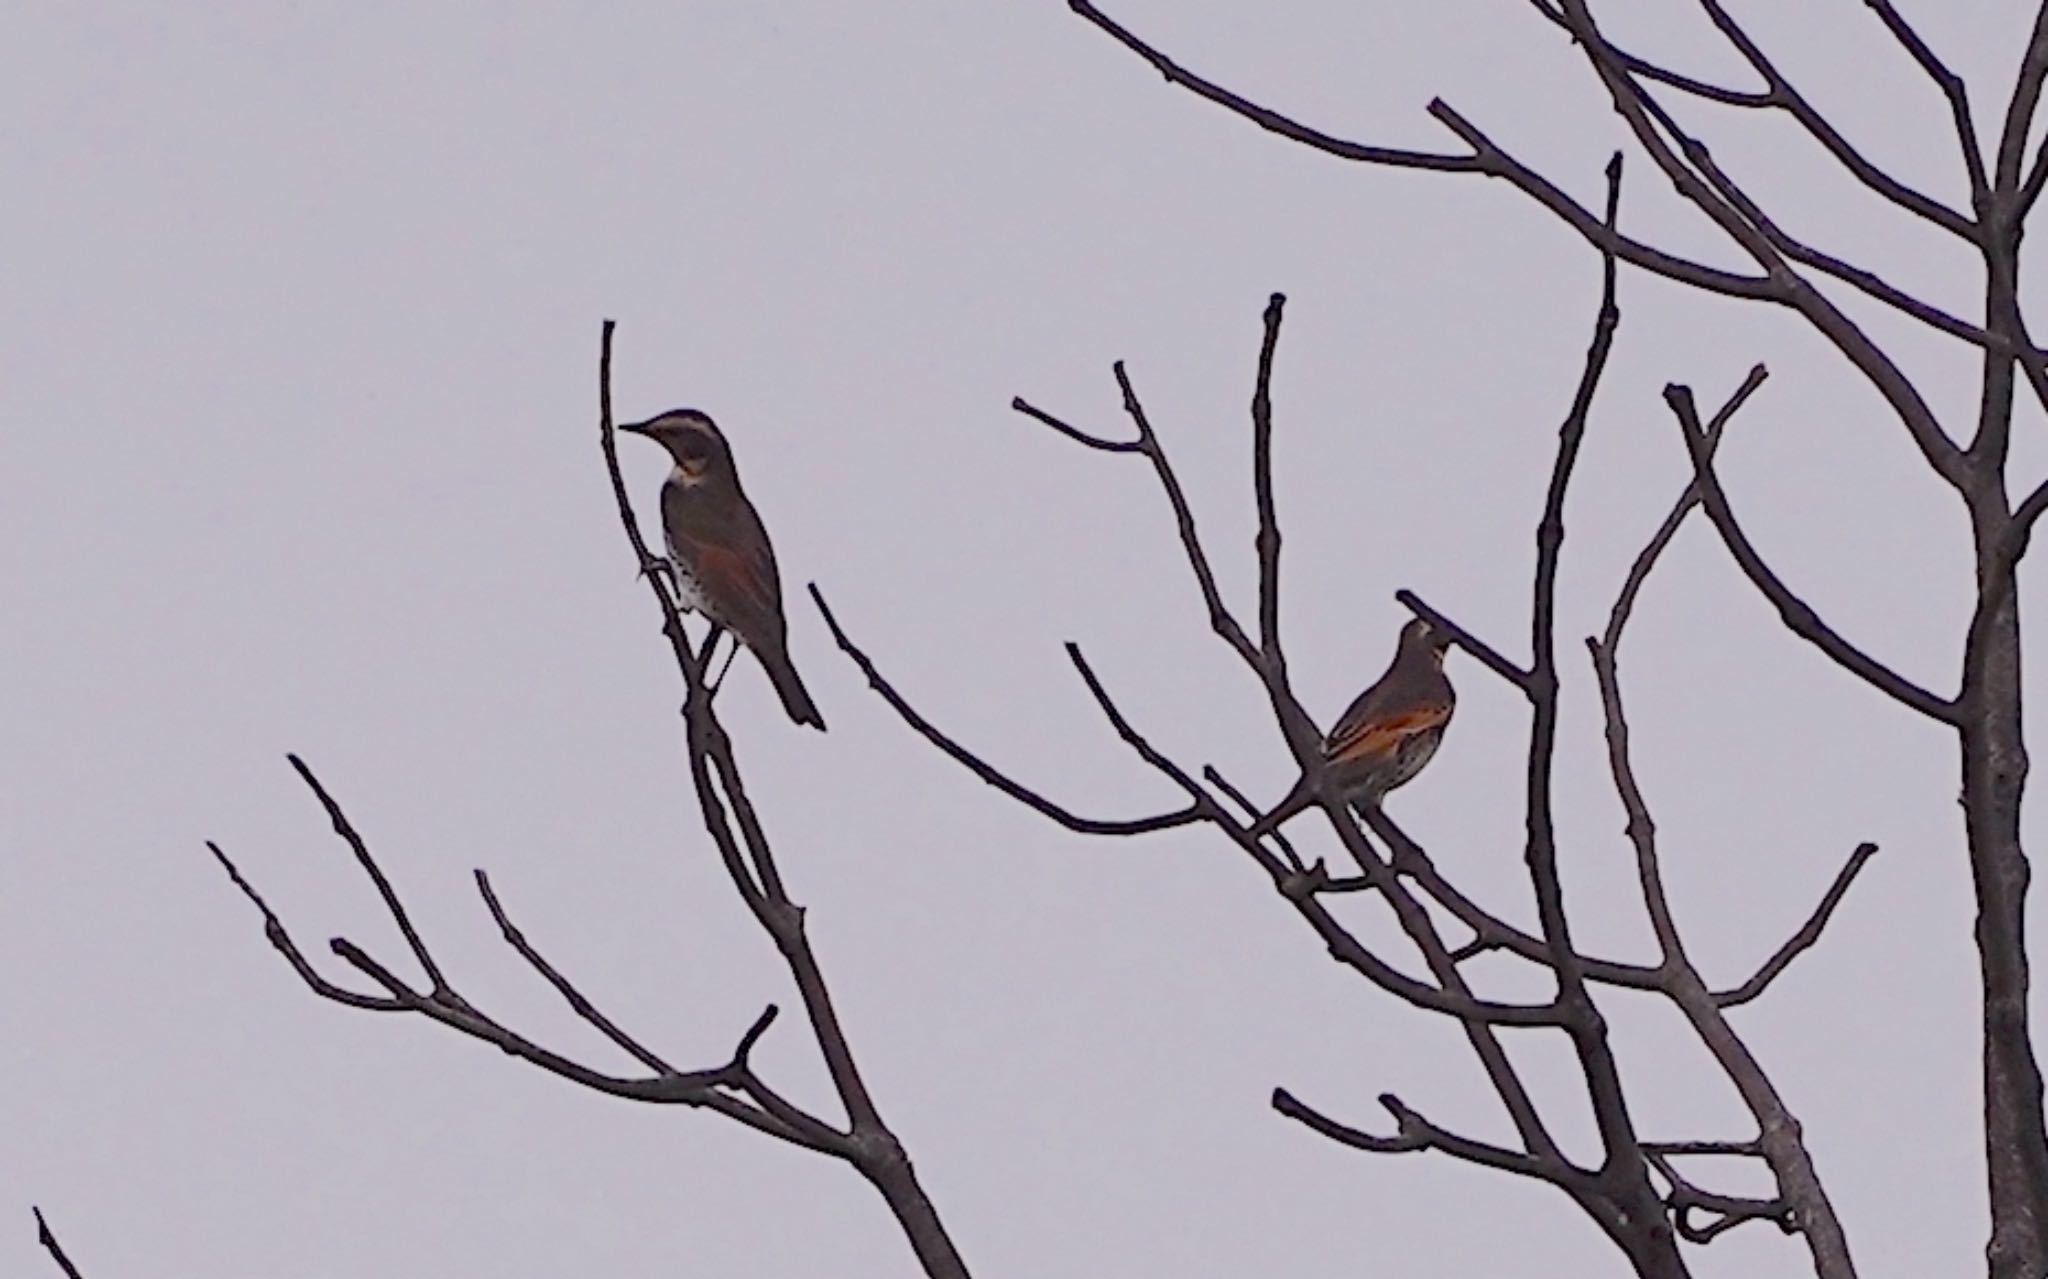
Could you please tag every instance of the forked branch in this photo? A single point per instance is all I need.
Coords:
(734, 1088)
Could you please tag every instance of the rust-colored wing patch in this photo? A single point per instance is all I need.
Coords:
(742, 586)
(1376, 737)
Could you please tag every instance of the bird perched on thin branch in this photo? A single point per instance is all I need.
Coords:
(724, 567)
(1385, 736)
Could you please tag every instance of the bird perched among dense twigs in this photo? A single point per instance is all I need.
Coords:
(724, 567)
(1384, 737)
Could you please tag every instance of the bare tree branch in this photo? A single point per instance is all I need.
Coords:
(281, 940)
(370, 868)
(1985, 711)
(1646, 559)
(576, 1000)
(733, 1089)
(1251, 812)
(1779, 94)
(1490, 932)
(1343, 946)
(1778, 286)
(1643, 67)
(1952, 89)
(981, 768)
(1809, 932)
(1221, 619)
(1877, 367)
(1800, 1191)
(48, 1239)
(1486, 654)
(1623, 1176)
(1729, 1211)
(443, 1004)
(1797, 615)
(2037, 178)
(1623, 1201)
(1417, 1134)
(870, 1145)
(1486, 159)
(1268, 540)
(2019, 113)
(1791, 100)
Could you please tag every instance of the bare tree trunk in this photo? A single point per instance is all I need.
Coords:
(1994, 765)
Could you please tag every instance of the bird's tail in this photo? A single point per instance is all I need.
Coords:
(1297, 799)
(796, 699)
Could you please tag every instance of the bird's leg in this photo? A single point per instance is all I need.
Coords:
(730, 654)
(711, 639)
(662, 565)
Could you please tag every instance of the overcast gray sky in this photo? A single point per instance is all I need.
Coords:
(297, 383)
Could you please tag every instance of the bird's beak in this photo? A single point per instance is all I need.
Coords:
(632, 428)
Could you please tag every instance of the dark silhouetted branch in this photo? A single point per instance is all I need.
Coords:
(441, 1003)
(869, 1144)
(1781, 1146)
(1643, 67)
(1414, 1133)
(1486, 655)
(1490, 931)
(1877, 367)
(582, 1006)
(1809, 932)
(1147, 443)
(1342, 945)
(2019, 119)
(1251, 812)
(1624, 1176)
(1486, 159)
(1646, 559)
(1727, 1211)
(274, 930)
(48, 1239)
(1783, 95)
(733, 1089)
(1952, 89)
(1268, 538)
(1797, 615)
(370, 868)
(980, 767)
(1779, 94)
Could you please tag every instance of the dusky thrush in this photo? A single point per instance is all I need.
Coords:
(725, 568)
(1388, 733)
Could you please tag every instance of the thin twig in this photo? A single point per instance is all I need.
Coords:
(1786, 96)
(375, 872)
(1797, 615)
(1952, 89)
(1780, 1145)
(1415, 1133)
(1487, 655)
(1268, 539)
(1342, 945)
(980, 767)
(1803, 940)
(588, 1011)
(1746, 98)
(1884, 375)
(869, 1145)
(281, 940)
(1252, 812)
(48, 1239)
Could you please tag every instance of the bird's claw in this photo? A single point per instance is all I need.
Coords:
(654, 564)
